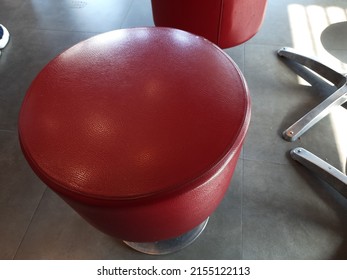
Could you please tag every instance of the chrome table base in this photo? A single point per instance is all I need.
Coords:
(324, 108)
(327, 172)
(171, 245)
(324, 170)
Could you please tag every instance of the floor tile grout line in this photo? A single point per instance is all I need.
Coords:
(31, 219)
(242, 191)
(243, 167)
(244, 57)
(7, 130)
(275, 45)
(267, 161)
(69, 31)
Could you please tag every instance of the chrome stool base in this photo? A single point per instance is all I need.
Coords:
(168, 246)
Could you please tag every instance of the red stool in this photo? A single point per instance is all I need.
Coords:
(226, 23)
(138, 130)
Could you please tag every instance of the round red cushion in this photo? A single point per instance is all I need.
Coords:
(129, 125)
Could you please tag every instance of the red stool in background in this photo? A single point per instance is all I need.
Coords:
(226, 23)
(138, 130)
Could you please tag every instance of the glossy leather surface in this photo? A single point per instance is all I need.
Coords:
(139, 130)
(226, 23)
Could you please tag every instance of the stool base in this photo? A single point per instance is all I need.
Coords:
(170, 245)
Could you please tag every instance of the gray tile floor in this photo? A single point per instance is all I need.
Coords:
(275, 208)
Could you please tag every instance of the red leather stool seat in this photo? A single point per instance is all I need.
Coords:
(139, 130)
(226, 23)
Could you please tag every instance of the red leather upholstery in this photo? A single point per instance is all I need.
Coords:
(226, 23)
(139, 130)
